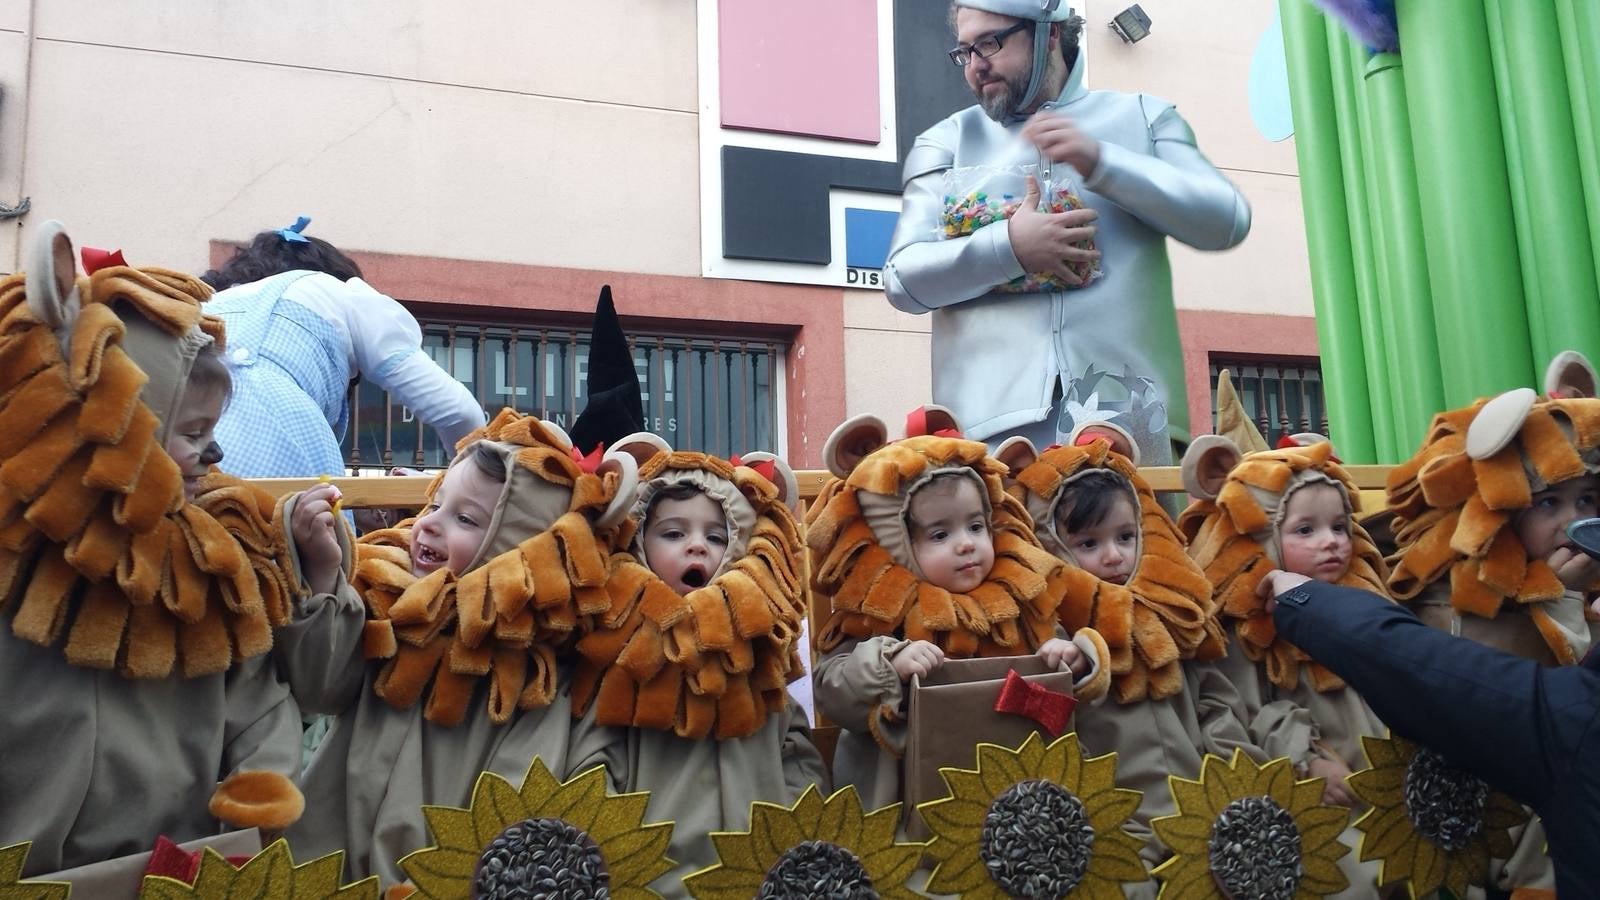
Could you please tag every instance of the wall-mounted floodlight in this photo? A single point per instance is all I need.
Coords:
(1132, 25)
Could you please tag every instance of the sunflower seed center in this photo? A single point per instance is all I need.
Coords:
(1445, 804)
(541, 859)
(1255, 850)
(1036, 840)
(817, 869)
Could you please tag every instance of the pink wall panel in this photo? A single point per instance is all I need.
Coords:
(806, 67)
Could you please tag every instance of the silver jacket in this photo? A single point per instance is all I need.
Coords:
(1113, 344)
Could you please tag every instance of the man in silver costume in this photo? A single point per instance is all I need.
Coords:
(1038, 363)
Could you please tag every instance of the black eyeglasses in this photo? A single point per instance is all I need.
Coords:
(984, 47)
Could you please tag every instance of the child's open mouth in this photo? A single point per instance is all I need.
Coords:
(694, 577)
(426, 558)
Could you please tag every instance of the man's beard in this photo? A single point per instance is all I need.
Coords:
(1000, 103)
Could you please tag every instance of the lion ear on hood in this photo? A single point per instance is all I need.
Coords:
(641, 445)
(1018, 453)
(1206, 465)
(1570, 376)
(854, 440)
(1498, 422)
(782, 477)
(53, 293)
(1119, 439)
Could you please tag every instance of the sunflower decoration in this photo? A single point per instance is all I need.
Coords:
(1454, 503)
(1163, 613)
(269, 875)
(1232, 529)
(815, 848)
(1038, 821)
(540, 570)
(1244, 830)
(714, 661)
(12, 887)
(514, 843)
(1430, 824)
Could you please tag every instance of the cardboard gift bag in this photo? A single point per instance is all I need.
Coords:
(953, 710)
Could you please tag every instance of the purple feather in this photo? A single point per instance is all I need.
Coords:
(1371, 21)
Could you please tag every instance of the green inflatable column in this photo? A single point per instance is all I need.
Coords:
(1417, 387)
(1322, 194)
(1552, 225)
(1579, 21)
(1363, 248)
(1473, 264)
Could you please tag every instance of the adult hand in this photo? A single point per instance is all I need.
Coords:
(1047, 242)
(917, 658)
(1059, 139)
(1057, 652)
(1276, 582)
(312, 526)
(1577, 570)
(1336, 792)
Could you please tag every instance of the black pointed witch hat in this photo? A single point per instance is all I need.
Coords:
(615, 408)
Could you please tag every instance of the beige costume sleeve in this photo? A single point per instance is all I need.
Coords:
(319, 650)
(1278, 727)
(262, 732)
(802, 761)
(1568, 615)
(856, 687)
(1219, 712)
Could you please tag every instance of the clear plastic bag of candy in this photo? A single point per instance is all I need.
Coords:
(978, 196)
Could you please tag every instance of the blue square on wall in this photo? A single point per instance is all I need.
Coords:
(866, 237)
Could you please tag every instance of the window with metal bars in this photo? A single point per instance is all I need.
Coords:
(718, 395)
(1282, 396)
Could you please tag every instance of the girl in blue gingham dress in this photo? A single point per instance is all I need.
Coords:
(301, 325)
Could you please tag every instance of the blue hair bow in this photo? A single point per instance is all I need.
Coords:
(292, 233)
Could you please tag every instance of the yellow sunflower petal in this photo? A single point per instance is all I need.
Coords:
(1277, 777)
(737, 850)
(1321, 825)
(495, 805)
(891, 867)
(952, 816)
(1190, 797)
(1322, 876)
(1060, 763)
(722, 883)
(578, 801)
(878, 827)
(960, 872)
(1381, 752)
(1184, 833)
(639, 857)
(626, 813)
(439, 872)
(999, 768)
(1187, 878)
(1092, 776)
(962, 782)
(1385, 832)
(1116, 857)
(451, 827)
(1109, 809)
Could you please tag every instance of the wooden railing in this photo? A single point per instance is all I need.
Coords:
(407, 490)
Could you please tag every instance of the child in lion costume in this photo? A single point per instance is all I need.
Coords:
(138, 587)
(925, 557)
(694, 655)
(1132, 581)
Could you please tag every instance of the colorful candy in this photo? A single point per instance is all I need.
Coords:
(966, 213)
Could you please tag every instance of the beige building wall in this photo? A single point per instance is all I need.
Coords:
(521, 131)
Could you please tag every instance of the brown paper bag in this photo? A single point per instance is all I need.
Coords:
(121, 878)
(952, 712)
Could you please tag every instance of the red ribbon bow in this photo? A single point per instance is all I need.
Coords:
(95, 259)
(168, 860)
(1051, 709)
(767, 468)
(917, 425)
(590, 463)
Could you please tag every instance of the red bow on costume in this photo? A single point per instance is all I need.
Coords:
(1051, 709)
(95, 259)
(590, 463)
(767, 468)
(1287, 442)
(168, 860)
(917, 425)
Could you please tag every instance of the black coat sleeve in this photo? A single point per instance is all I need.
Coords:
(1506, 719)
